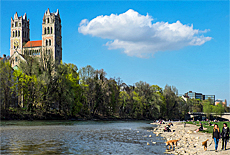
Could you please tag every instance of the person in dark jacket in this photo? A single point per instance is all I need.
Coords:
(200, 128)
(225, 136)
(216, 136)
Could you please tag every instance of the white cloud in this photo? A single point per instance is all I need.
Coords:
(138, 36)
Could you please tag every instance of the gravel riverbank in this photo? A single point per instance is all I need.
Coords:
(190, 142)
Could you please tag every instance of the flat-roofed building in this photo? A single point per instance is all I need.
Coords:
(195, 95)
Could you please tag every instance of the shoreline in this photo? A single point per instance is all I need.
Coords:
(190, 142)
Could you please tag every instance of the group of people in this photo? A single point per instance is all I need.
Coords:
(217, 135)
(167, 128)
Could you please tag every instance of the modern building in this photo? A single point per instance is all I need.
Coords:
(206, 97)
(51, 43)
(195, 95)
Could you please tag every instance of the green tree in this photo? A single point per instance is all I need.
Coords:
(8, 96)
(218, 109)
(171, 102)
(207, 108)
(196, 105)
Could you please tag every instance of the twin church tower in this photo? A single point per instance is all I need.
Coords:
(51, 43)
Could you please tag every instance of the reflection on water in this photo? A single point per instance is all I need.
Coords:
(85, 137)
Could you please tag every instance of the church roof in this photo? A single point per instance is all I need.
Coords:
(36, 43)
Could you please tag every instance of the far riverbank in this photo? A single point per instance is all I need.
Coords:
(52, 116)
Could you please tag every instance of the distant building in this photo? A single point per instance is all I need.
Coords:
(205, 97)
(195, 95)
(219, 100)
(51, 43)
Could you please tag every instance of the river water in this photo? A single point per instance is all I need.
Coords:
(79, 137)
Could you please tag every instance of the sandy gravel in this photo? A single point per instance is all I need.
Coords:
(190, 143)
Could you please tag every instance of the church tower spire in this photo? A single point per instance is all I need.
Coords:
(20, 33)
(51, 35)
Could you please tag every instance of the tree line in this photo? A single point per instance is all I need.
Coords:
(42, 89)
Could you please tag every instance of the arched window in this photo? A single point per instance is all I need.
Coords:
(19, 33)
(48, 20)
(50, 42)
(51, 30)
(45, 31)
(16, 33)
(46, 42)
(13, 33)
(48, 30)
(16, 59)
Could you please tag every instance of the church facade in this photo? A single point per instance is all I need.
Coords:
(51, 43)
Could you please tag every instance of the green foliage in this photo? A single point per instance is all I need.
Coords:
(218, 109)
(210, 128)
(41, 87)
(207, 108)
(7, 97)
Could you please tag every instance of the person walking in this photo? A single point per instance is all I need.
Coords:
(225, 136)
(216, 136)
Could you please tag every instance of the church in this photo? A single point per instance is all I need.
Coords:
(21, 46)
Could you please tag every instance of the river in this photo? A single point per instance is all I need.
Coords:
(79, 137)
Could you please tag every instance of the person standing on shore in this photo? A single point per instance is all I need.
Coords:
(216, 136)
(225, 136)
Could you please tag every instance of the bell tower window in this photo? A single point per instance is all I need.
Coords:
(45, 31)
(19, 33)
(48, 30)
(13, 33)
(46, 42)
(16, 33)
(50, 42)
(48, 20)
(51, 30)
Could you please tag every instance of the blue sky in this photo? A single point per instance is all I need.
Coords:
(174, 60)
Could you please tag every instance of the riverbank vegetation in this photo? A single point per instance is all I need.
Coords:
(43, 89)
(209, 129)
